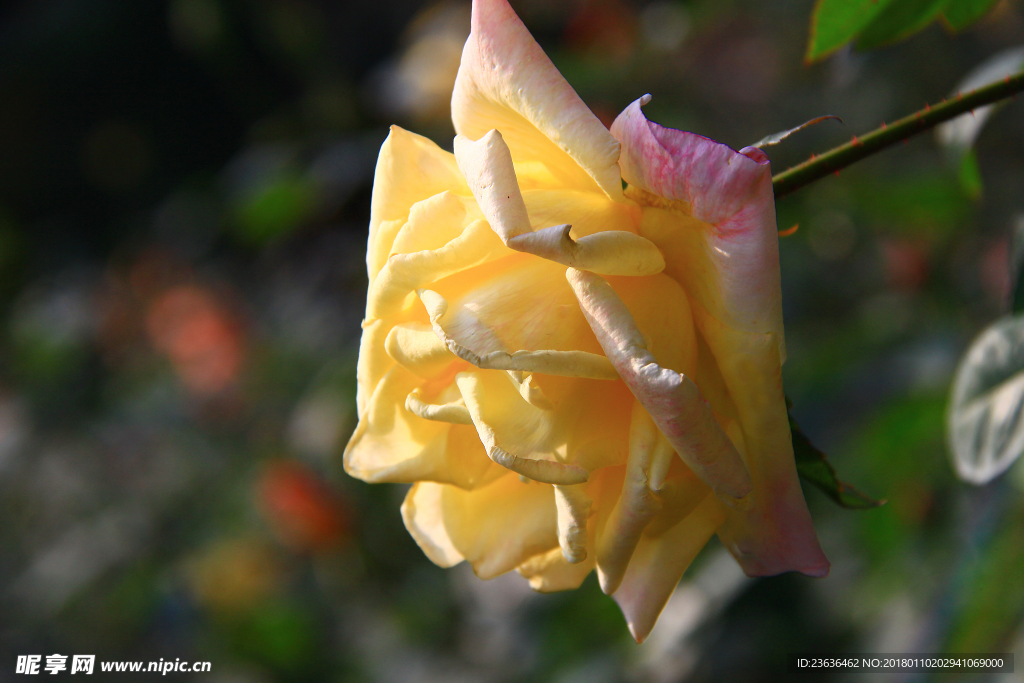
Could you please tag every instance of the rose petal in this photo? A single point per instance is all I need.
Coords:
(495, 528)
(394, 287)
(517, 435)
(487, 165)
(672, 399)
(776, 534)
(659, 563)
(573, 506)
(423, 514)
(563, 363)
(730, 264)
(393, 444)
(711, 212)
(550, 572)
(453, 412)
(416, 348)
(506, 82)
(410, 168)
(636, 506)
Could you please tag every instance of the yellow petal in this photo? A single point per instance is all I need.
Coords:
(587, 212)
(453, 412)
(373, 362)
(517, 435)
(393, 444)
(506, 82)
(495, 528)
(549, 572)
(393, 288)
(487, 165)
(417, 348)
(776, 534)
(573, 506)
(565, 363)
(658, 564)
(423, 514)
(636, 506)
(410, 168)
(615, 252)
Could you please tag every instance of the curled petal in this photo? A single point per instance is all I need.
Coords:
(561, 363)
(416, 347)
(410, 168)
(720, 241)
(403, 274)
(672, 399)
(549, 572)
(487, 165)
(506, 82)
(573, 506)
(636, 506)
(516, 435)
(393, 444)
(615, 252)
(453, 413)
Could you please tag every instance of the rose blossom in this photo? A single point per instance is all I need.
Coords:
(540, 345)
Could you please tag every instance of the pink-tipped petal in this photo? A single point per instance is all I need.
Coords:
(731, 193)
(711, 212)
(776, 533)
(506, 82)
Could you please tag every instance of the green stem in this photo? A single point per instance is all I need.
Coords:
(817, 167)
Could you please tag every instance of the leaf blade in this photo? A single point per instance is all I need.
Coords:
(813, 466)
(960, 14)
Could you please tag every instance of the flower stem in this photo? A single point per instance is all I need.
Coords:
(817, 167)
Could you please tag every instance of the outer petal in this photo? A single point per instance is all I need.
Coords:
(410, 168)
(506, 82)
(711, 211)
(495, 528)
(659, 563)
(731, 193)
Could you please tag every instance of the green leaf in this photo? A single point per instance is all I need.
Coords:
(898, 20)
(814, 467)
(969, 175)
(960, 14)
(986, 409)
(834, 23)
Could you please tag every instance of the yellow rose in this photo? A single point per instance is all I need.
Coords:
(535, 382)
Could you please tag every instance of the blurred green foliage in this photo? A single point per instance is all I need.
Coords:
(873, 23)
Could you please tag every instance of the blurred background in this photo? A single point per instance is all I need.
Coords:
(184, 198)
